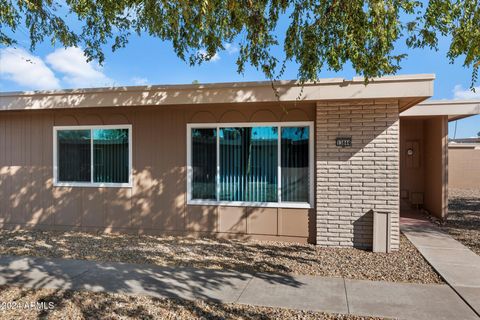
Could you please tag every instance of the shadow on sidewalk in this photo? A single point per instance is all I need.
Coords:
(184, 283)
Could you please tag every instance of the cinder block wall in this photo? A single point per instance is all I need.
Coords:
(354, 181)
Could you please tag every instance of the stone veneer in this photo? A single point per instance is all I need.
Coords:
(352, 182)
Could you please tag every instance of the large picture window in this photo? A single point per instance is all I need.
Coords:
(265, 164)
(92, 156)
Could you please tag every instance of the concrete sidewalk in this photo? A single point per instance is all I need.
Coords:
(336, 295)
(458, 265)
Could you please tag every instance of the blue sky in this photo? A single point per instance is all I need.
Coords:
(146, 60)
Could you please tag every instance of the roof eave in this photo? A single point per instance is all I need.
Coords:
(454, 109)
(408, 88)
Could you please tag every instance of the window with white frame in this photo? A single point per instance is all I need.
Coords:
(92, 155)
(261, 164)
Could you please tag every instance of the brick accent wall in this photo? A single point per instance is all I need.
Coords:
(354, 181)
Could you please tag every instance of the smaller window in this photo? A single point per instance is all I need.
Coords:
(204, 164)
(295, 164)
(92, 156)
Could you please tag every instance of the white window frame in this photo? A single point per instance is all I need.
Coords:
(279, 204)
(57, 183)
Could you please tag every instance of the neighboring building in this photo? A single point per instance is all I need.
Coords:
(465, 142)
(228, 159)
(464, 163)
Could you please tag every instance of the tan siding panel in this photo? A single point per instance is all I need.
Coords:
(262, 221)
(68, 206)
(202, 218)
(35, 187)
(293, 222)
(3, 169)
(157, 200)
(117, 207)
(93, 207)
(232, 219)
(47, 169)
(18, 170)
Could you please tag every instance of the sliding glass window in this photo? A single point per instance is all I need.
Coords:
(110, 155)
(204, 163)
(74, 155)
(245, 164)
(295, 155)
(92, 156)
(248, 164)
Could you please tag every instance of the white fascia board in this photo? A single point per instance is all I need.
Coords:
(444, 108)
(397, 87)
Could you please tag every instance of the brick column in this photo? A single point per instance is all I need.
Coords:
(353, 181)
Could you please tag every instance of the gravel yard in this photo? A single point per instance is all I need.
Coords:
(463, 222)
(406, 265)
(89, 305)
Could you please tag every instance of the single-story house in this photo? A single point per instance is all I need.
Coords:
(291, 163)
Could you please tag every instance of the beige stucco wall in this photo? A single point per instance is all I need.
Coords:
(353, 181)
(425, 172)
(464, 168)
(436, 153)
(412, 167)
(157, 201)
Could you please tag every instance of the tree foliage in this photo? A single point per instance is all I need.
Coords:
(321, 34)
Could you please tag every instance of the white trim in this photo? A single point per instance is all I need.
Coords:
(279, 165)
(299, 205)
(311, 163)
(189, 168)
(279, 125)
(217, 178)
(57, 183)
(91, 156)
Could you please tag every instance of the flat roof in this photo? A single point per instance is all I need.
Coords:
(454, 109)
(409, 89)
(453, 145)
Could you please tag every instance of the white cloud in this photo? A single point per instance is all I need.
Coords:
(77, 72)
(231, 48)
(27, 70)
(204, 54)
(465, 94)
(139, 81)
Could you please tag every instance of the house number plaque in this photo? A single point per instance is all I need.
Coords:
(343, 142)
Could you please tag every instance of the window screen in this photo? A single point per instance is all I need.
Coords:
(295, 179)
(204, 163)
(93, 155)
(74, 155)
(110, 155)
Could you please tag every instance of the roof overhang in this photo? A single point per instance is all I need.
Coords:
(454, 109)
(408, 89)
(475, 146)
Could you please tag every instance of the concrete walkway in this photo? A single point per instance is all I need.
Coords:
(336, 295)
(458, 265)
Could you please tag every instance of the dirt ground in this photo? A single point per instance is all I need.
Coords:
(463, 221)
(406, 265)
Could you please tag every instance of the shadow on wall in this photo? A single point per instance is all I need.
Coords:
(353, 182)
(29, 199)
(30, 202)
(363, 231)
(157, 201)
